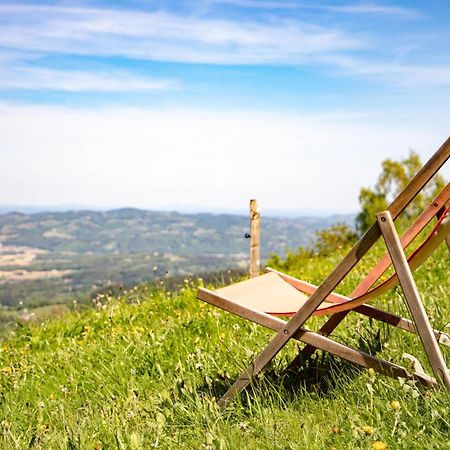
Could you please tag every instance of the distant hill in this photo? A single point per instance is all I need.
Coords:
(63, 253)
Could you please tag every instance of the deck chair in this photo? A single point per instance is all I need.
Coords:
(262, 299)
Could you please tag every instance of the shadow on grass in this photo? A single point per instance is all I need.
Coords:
(322, 374)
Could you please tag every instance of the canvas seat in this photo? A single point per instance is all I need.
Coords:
(268, 293)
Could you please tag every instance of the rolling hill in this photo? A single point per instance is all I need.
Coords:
(53, 256)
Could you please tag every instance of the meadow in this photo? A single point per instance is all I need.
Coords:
(144, 369)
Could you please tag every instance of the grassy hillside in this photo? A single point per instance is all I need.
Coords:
(144, 370)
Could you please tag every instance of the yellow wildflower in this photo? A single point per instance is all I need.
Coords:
(379, 445)
(395, 405)
(367, 429)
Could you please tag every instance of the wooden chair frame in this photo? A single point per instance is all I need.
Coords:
(292, 329)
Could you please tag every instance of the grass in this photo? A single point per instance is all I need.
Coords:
(144, 370)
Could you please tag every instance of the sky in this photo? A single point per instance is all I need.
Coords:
(201, 105)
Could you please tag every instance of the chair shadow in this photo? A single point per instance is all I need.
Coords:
(322, 374)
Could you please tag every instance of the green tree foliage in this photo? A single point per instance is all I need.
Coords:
(394, 176)
(334, 238)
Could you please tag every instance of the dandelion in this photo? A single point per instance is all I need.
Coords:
(367, 429)
(379, 445)
(395, 405)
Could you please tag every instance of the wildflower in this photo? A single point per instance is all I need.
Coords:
(367, 429)
(379, 445)
(395, 405)
(335, 429)
(243, 425)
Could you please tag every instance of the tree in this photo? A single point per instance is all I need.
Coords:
(334, 238)
(395, 175)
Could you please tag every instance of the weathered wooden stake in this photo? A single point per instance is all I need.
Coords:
(254, 239)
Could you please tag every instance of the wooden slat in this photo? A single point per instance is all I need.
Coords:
(413, 299)
(399, 322)
(336, 276)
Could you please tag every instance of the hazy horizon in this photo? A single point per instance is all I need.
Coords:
(183, 209)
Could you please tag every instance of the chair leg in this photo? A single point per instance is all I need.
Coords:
(415, 305)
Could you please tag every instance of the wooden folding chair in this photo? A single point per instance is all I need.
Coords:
(273, 294)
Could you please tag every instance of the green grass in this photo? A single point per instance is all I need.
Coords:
(144, 371)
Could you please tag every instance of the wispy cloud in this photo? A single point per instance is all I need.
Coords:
(165, 36)
(32, 78)
(375, 8)
(405, 75)
(273, 38)
(351, 8)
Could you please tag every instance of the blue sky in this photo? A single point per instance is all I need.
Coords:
(206, 103)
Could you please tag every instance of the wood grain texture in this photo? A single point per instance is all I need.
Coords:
(254, 239)
(412, 297)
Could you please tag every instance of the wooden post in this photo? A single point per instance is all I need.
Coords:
(254, 239)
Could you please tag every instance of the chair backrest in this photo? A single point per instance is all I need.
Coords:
(415, 260)
(419, 224)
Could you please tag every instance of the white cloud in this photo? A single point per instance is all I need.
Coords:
(150, 158)
(33, 30)
(20, 76)
(166, 36)
(404, 75)
(354, 8)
